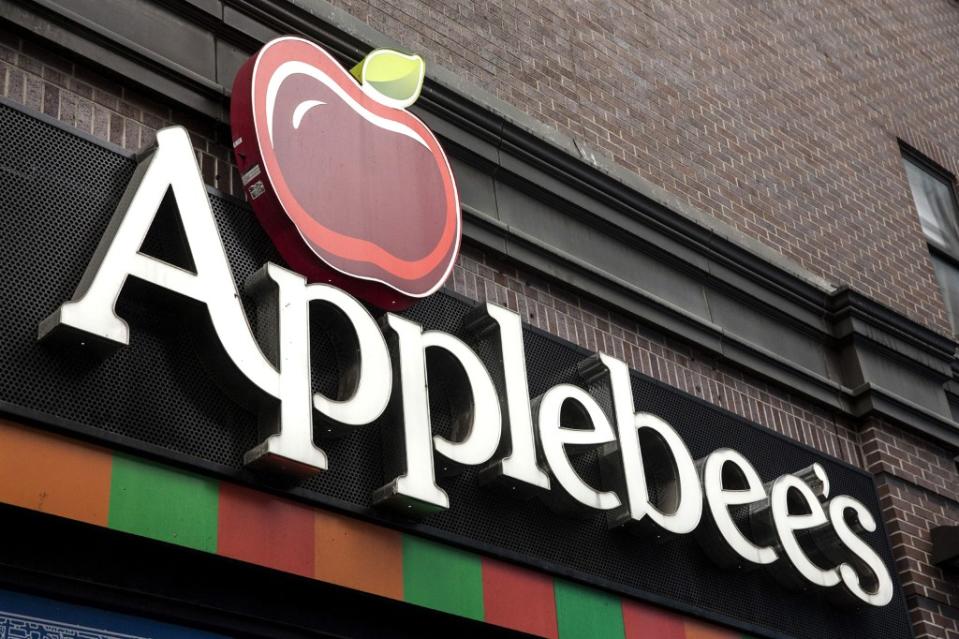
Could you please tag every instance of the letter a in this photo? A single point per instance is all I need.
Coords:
(90, 318)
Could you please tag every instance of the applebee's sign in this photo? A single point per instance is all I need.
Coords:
(792, 525)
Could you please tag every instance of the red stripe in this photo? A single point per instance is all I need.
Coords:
(261, 529)
(643, 621)
(519, 599)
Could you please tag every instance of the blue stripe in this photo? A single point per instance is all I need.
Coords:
(50, 618)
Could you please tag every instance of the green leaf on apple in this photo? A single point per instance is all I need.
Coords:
(390, 77)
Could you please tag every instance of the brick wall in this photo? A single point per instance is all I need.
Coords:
(918, 481)
(910, 513)
(776, 116)
(918, 485)
(91, 101)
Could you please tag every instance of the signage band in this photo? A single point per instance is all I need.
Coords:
(651, 485)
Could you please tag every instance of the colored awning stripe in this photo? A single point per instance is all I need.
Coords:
(583, 612)
(68, 478)
(257, 528)
(55, 475)
(642, 621)
(163, 503)
(518, 598)
(358, 555)
(442, 577)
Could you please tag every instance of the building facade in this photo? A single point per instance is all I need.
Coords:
(741, 201)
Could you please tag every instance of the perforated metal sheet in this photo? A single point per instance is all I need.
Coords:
(58, 190)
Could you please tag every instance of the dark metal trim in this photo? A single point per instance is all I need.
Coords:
(945, 546)
(916, 156)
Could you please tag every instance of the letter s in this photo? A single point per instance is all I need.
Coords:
(864, 559)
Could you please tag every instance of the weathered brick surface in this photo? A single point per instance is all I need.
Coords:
(910, 513)
(813, 173)
(37, 77)
(935, 622)
(888, 449)
(778, 117)
(918, 484)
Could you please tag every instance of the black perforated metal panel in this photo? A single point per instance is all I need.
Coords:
(58, 190)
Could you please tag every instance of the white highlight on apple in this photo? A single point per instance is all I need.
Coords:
(301, 110)
(295, 67)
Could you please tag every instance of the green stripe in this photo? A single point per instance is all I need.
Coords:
(587, 613)
(157, 502)
(442, 578)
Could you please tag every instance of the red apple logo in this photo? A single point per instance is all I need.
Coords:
(351, 188)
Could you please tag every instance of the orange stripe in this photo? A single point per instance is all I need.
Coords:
(359, 555)
(54, 474)
(700, 630)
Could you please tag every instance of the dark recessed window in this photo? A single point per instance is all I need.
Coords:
(935, 197)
